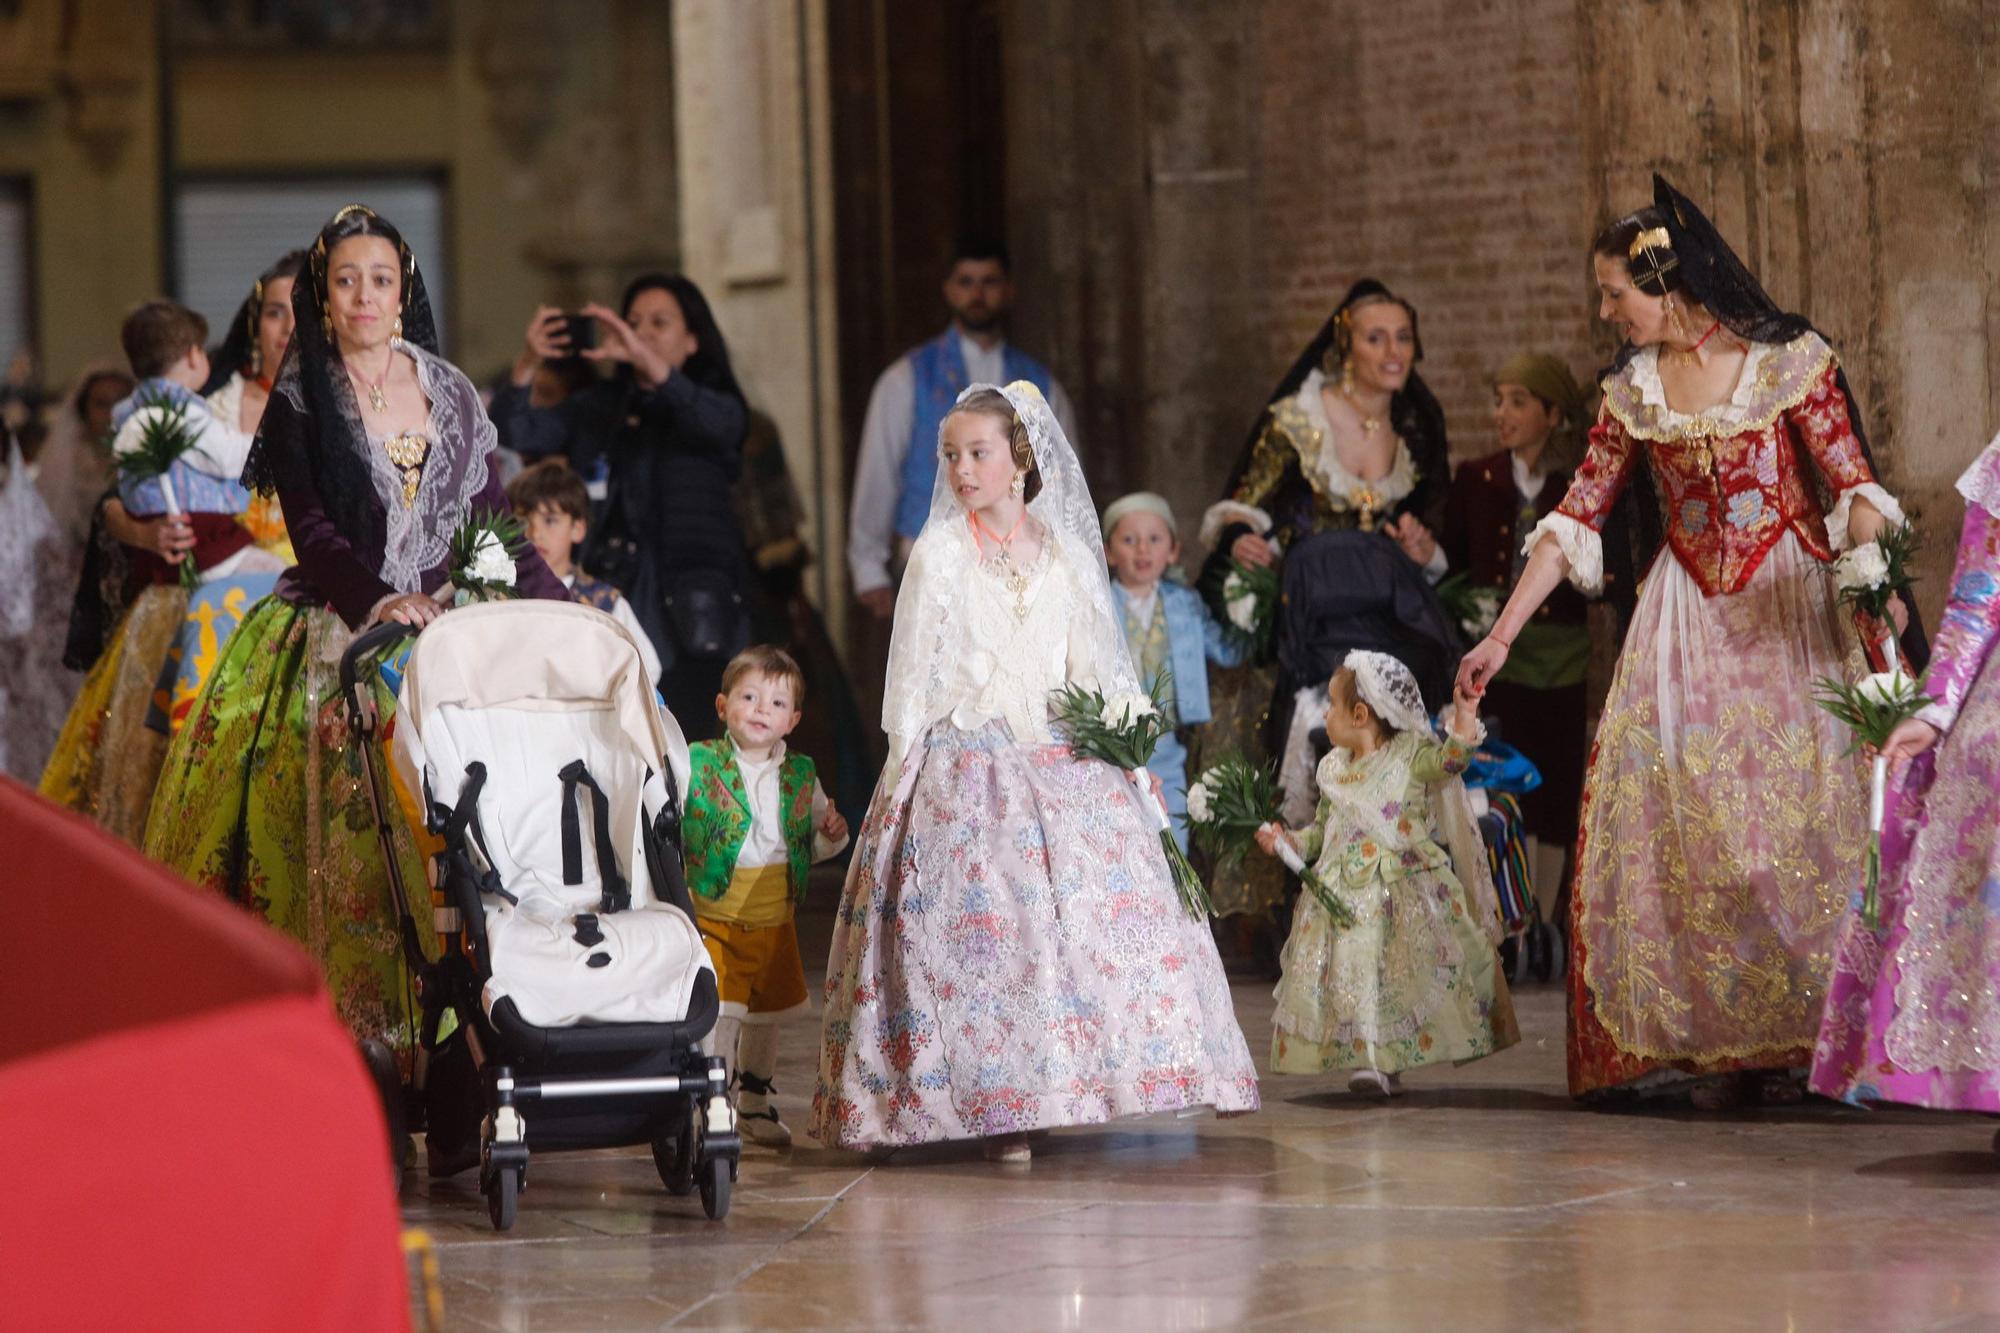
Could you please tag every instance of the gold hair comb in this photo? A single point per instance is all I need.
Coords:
(1653, 238)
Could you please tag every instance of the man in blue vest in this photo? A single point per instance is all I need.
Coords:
(898, 462)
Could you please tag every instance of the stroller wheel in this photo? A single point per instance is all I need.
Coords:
(388, 1079)
(674, 1153)
(502, 1195)
(717, 1174)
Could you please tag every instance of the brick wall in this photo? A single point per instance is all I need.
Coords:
(1433, 145)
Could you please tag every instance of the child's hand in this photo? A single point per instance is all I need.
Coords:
(833, 828)
(1269, 836)
(1464, 712)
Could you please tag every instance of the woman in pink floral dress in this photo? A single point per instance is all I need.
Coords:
(1010, 954)
(1914, 1012)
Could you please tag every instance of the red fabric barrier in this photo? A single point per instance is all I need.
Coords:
(192, 1139)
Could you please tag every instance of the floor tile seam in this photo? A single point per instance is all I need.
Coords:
(775, 1249)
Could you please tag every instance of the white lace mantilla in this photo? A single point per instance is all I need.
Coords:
(964, 648)
(461, 437)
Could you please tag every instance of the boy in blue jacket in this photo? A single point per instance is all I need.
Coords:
(1168, 627)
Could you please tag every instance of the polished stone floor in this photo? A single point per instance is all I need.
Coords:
(1481, 1200)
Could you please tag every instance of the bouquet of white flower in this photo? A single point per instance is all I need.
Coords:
(1123, 732)
(1228, 804)
(1870, 577)
(1873, 708)
(147, 446)
(483, 552)
(1250, 604)
(1474, 606)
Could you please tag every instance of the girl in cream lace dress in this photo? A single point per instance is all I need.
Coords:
(1010, 954)
(1413, 979)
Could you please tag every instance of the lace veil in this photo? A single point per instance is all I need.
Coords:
(928, 638)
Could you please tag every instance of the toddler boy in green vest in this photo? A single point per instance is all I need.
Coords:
(755, 822)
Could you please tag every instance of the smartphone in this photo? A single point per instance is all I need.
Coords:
(582, 331)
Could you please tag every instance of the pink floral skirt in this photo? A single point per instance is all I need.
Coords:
(1010, 955)
(1914, 1012)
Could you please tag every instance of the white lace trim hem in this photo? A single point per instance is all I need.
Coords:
(1582, 550)
(1223, 513)
(1836, 522)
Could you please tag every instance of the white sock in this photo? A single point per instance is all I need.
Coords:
(757, 1049)
(723, 1038)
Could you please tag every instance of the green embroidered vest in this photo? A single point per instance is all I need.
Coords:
(717, 819)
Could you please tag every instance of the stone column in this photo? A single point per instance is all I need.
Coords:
(754, 162)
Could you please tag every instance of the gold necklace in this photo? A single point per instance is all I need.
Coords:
(408, 452)
(376, 398)
(1369, 425)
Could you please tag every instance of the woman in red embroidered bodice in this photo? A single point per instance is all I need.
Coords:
(1722, 820)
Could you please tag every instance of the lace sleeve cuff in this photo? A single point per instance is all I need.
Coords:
(1581, 547)
(1939, 715)
(1224, 513)
(1836, 522)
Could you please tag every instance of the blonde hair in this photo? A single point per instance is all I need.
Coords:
(993, 403)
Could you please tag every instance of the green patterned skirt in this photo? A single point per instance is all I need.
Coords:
(263, 799)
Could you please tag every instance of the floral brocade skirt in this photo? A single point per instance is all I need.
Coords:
(1010, 955)
(1722, 831)
(263, 799)
(1413, 982)
(106, 759)
(1914, 1012)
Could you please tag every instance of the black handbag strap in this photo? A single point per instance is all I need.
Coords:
(617, 893)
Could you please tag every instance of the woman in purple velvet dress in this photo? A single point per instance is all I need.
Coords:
(1913, 1014)
(378, 450)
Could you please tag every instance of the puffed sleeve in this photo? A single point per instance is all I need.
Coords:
(1826, 428)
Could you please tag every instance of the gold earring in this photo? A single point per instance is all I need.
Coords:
(397, 331)
(1347, 377)
(1019, 486)
(326, 325)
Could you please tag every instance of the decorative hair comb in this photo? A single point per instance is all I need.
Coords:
(1653, 238)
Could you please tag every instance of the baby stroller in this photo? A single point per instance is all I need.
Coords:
(569, 966)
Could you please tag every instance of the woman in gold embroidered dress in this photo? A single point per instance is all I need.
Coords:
(1722, 819)
(1352, 440)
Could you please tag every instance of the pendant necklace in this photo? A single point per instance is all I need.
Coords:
(1015, 579)
(1369, 425)
(376, 398)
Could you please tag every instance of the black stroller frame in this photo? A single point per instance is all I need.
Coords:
(600, 1086)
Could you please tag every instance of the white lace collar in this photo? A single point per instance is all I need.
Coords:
(1324, 466)
(1775, 378)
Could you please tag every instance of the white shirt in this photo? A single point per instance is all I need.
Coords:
(885, 444)
(621, 611)
(1528, 484)
(764, 845)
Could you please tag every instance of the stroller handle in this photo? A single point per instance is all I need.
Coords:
(364, 643)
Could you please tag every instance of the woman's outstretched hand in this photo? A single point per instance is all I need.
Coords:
(1478, 667)
(624, 344)
(1911, 738)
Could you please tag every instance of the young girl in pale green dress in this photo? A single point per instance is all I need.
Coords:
(1412, 978)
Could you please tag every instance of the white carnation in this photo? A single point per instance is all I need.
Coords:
(490, 561)
(1122, 712)
(1863, 567)
(1243, 611)
(1886, 687)
(1197, 803)
(133, 433)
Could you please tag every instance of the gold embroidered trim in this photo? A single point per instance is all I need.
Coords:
(1790, 382)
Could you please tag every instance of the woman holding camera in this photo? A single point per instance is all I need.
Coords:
(668, 429)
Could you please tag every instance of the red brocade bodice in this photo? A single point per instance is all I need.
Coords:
(1731, 480)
